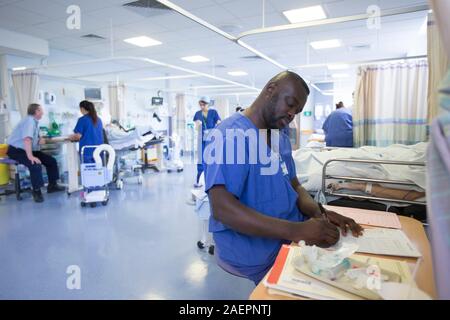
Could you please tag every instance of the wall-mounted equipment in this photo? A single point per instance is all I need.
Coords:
(93, 94)
(155, 115)
(50, 98)
(157, 101)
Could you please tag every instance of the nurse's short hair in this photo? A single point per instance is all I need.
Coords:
(32, 108)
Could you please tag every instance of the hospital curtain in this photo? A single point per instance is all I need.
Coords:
(4, 78)
(180, 119)
(116, 102)
(222, 106)
(26, 88)
(439, 63)
(391, 104)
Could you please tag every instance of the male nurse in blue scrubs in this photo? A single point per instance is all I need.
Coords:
(254, 213)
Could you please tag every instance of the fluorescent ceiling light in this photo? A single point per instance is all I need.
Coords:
(238, 94)
(340, 75)
(338, 66)
(143, 41)
(19, 68)
(237, 73)
(187, 76)
(326, 44)
(305, 14)
(215, 86)
(195, 59)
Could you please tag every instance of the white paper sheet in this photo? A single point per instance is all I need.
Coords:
(369, 217)
(391, 242)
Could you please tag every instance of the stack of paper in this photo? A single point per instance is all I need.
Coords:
(369, 217)
(391, 242)
(285, 279)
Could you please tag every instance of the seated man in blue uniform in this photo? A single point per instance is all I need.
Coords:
(338, 127)
(254, 211)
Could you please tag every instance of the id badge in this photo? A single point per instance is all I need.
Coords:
(205, 133)
(284, 168)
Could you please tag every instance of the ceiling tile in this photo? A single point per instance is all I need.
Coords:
(89, 5)
(20, 15)
(45, 8)
(190, 5)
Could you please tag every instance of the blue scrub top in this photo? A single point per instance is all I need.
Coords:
(90, 135)
(210, 121)
(338, 128)
(271, 195)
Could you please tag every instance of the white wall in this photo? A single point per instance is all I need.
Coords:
(139, 110)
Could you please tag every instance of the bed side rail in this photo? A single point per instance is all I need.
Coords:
(326, 176)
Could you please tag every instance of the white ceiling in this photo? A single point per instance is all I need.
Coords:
(182, 37)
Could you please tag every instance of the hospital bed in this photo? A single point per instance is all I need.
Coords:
(398, 167)
(128, 145)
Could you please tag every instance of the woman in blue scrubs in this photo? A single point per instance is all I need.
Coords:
(205, 120)
(89, 130)
(254, 213)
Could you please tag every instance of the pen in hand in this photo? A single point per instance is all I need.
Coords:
(324, 212)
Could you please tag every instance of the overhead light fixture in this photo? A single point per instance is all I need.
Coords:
(195, 59)
(338, 66)
(340, 75)
(187, 76)
(326, 44)
(143, 41)
(239, 94)
(305, 14)
(237, 73)
(19, 68)
(215, 86)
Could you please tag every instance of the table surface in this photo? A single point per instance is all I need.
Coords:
(424, 278)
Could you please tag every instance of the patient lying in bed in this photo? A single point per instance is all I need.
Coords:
(135, 138)
(378, 190)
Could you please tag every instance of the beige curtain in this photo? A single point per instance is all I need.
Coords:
(180, 120)
(222, 105)
(391, 104)
(4, 78)
(438, 65)
(117, 102)
(26, 88)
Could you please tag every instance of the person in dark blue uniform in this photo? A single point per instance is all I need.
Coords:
(253, 212)
(205, 120)
(89, 130)
(338, 127)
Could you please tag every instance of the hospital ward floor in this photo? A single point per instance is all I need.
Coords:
(142, 245)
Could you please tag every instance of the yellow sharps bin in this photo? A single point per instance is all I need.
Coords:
(4, 168)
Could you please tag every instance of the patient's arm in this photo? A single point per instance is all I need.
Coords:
(75, 137)
(380, 191)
